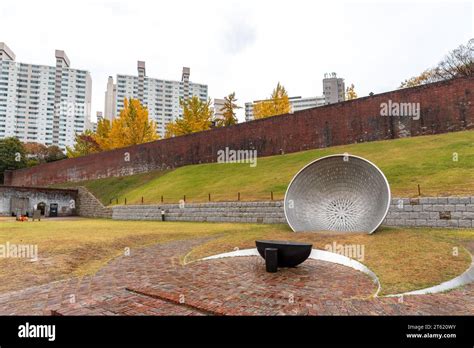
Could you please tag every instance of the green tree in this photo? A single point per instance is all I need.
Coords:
(12, 155)
(197, 116)
(54, 153)
(228, 111)
(278, 104)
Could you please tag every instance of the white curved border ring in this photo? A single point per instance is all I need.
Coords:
(316, 254)
(341, 155)
(466, 278)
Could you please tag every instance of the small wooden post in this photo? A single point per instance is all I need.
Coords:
(117, 200)
(125, 200)
(238, 196)
(184, 198)
(161, 199)
(419, 190)
(209, 197)
(271, 195)
(142, 199)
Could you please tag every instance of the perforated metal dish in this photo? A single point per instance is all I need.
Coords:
(343, 193)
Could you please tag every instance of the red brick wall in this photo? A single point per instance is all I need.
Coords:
(445, 107)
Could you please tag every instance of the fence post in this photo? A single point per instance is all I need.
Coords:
(125, 200)
(142, 199)
(184, 198)
(238, 196)
(161, 199)
(209, 197)
(419, 190)
(271, 195)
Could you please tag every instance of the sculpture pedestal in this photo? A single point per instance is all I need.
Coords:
(271, 260)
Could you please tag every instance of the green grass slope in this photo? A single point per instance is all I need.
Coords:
(427, 160)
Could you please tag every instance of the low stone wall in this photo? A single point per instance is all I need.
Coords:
(422, 212)
(252, 212)
(89, 206)
(432, 212)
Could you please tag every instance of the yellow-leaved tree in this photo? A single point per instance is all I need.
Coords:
(102, 134)
(425, 77)
(278, 104)
(197, 116)
(132, 127)
(228, 111)
(351, 93)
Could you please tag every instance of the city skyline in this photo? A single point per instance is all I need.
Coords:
(246, 47)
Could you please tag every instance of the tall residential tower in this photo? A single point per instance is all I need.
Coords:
(161, 97)
(44, 104)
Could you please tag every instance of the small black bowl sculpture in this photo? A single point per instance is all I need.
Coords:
(289, 254)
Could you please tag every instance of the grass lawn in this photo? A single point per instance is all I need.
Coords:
(425, 160)
(403, 259)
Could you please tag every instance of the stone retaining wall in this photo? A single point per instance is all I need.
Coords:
(89, 206)
(432, 212)
(252, 212)
(422, 212)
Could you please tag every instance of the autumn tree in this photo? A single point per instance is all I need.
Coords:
(228, 111)
(132, 127)
(458, 63)
(37, 153)
(426, 76)
(278, 104)
(84, 144)
(197, 116)
(351, 93)
(102, 134)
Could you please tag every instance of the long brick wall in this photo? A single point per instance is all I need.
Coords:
(445, 107)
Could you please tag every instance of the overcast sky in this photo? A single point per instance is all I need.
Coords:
(242, 46)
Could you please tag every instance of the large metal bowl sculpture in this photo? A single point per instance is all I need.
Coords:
(342, 193)
(289, 254)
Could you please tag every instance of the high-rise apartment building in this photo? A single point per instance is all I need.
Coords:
(161, 97)
(99, 117)
(44, 104)
(110, 100)
(333, 89)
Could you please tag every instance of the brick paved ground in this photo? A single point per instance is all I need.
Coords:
(152, 282)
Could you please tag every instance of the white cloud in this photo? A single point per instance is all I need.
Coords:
(244, 46)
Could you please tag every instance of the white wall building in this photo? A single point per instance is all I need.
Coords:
(44, 104)
(218, 106)
(334, 90)
(161, 97)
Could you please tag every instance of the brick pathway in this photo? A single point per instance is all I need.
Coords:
(152, 282)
